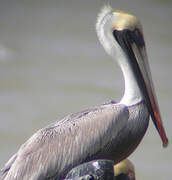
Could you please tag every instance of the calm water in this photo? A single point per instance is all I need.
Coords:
(52, 64)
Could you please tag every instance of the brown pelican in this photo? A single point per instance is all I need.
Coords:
(124, 170)
(106, 131)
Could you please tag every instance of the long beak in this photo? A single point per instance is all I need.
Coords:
(133, 44)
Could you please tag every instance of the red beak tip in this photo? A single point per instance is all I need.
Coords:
(165, 144)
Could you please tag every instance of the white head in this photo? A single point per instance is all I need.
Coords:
(108, 22)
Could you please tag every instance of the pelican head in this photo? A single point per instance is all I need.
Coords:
(122, 37)
(124, 169)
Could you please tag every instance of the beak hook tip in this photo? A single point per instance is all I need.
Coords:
(165, 144)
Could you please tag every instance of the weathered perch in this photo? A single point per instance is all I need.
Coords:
(93, 170)
(103, 170)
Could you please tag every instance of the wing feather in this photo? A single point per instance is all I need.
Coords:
(54, 150)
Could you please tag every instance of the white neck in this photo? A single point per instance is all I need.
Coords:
(132, 94)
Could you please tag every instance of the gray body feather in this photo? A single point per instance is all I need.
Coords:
(51, 152)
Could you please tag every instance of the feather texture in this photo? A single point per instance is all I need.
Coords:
(54, 150)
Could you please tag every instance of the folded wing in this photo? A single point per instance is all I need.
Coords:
(53, 151)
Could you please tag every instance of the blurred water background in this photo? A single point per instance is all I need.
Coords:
(51, 64)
